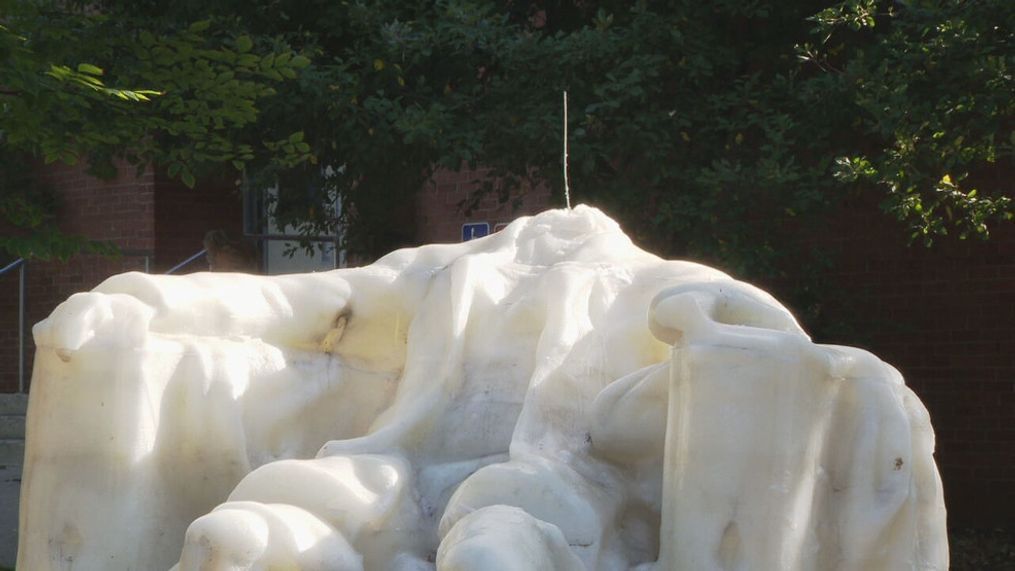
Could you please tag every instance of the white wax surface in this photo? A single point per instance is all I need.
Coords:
(548, 397)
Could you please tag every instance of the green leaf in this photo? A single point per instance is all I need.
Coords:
(89, 69)
(188, 178)
(299, 62)
(243, 44)
(199, 26)
(248, 60)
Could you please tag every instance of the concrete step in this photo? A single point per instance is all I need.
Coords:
(10, 485)
(12, 426)
(12, 451)
(13, 403)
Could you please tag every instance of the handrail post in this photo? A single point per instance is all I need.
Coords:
(21, 326)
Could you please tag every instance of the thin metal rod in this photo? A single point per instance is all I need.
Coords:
(567, 187)
(177, 267)
(11, 266)
(292, 237)
(21, 328)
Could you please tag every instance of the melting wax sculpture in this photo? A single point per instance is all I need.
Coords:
(547, 397)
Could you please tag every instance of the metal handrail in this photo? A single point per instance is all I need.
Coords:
(11, 266)
(189, 260)
(20, 265)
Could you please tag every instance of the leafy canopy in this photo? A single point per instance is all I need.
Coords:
(727, 130)
(200, 88)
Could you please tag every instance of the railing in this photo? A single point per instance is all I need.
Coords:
(19, 265)
(144, 255)
(188, 261)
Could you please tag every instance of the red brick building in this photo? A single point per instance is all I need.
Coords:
(156, 223)
(440, 215)
(944, 316)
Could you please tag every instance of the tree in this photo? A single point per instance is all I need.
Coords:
(55, 105)
(732, 128)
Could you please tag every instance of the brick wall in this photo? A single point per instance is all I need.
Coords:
(9, 332)
(441, 205)
(184, 215)
(146, 215)
(119, 210)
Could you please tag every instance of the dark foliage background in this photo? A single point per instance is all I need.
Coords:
(727, 131)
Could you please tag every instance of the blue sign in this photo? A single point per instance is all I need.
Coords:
(473, 230)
